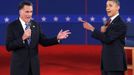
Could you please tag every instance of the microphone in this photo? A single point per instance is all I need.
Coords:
(28, 25)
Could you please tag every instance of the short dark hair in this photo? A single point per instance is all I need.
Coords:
(23, 3)
(116, 1)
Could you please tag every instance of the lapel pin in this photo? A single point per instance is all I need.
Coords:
(33, 26)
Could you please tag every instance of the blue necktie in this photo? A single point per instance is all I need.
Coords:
(29, 39)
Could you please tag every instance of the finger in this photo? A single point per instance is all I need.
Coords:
(82, 20)
(66, 36)
(28, 30)
(66, 31)
(61, 30)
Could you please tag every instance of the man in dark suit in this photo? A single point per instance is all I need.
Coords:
(112, 37)
(23, 37)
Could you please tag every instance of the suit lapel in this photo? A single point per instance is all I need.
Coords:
(20, 31)
(33, 35)
(113, 23)
(19, 28)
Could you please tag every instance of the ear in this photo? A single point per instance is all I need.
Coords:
(118, 7)
(19, 11)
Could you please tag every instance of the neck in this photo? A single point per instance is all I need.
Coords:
(113, 17)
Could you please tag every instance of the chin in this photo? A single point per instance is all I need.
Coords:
(28, 20)
(109, 15)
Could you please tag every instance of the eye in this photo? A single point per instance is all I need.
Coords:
(110, 5)
(106, 5)
(27, 11)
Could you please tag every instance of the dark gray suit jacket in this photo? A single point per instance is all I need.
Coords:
(25, 56)
(113, 41)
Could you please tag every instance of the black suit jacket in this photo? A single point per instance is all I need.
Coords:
(113, 41)
(25, 56)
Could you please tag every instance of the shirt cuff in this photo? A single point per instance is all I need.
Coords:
(58, 41)
(23, 42)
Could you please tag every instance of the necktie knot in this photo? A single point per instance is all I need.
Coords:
(27, 26)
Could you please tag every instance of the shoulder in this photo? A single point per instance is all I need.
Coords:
(119, 21)
(34, 23)
(13, 24)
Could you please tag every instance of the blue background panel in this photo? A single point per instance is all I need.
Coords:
(54, 15)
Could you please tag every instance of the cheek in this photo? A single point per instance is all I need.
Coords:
(24, 16)
(31, 14)
(115, 10)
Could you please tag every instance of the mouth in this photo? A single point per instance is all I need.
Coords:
(28, 17)
(108, 12)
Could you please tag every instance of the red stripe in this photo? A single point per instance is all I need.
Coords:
(37, 8)
(86, 16)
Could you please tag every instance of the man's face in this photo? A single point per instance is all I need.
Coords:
(112, 8)
(26, 13)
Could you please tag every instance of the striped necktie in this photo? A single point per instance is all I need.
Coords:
(108, 23)
(29, 39)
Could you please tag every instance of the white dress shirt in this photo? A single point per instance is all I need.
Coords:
(22, 23)
(112, 18)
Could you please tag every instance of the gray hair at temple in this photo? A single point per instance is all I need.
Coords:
(116, 1)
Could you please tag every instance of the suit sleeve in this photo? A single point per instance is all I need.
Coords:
(113, 34)
(43, 40)
(13, 43)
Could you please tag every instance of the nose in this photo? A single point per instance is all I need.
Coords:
(30, 14)
(107, 8)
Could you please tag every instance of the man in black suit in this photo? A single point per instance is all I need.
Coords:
(112, 37)
(23, 37)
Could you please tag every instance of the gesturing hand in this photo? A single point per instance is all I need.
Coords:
(27, 34)
(87, 26)
(63, 34)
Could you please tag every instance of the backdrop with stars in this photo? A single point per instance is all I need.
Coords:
(53, 15)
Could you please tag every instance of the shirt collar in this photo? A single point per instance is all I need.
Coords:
(112, 18)
(22, 23)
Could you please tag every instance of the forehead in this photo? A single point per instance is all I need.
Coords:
(110, 2)
(27, 7)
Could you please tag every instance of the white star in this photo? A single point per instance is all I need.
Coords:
(67, 19)
(43, 19)
(79, 18)
(55, 19)
(128, 19)
(6, 19)
(92, 19)
(104, 19)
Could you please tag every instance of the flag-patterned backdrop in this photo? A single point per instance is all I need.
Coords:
(80, 53)
(54, 15)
